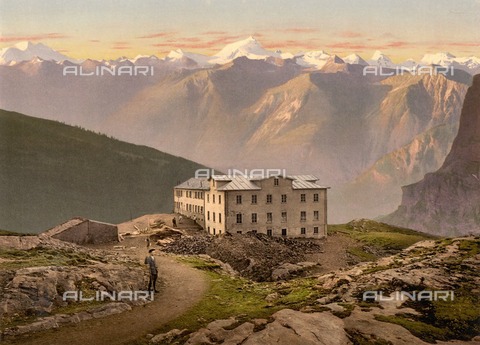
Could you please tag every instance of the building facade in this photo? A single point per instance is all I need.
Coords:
(294, 206)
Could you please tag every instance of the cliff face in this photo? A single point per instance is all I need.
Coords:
(447, 202)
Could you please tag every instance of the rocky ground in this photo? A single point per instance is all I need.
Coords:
(341, 316)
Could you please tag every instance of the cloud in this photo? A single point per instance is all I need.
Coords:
(33, 38)
(353, 46)
(398, 44)
(95, 41)
(159, 34)
(349, 34)
(211, 33)
(301, 30)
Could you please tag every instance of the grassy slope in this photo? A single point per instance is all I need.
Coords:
(377, 239)
(50, 172)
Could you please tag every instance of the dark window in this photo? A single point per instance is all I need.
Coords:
(284, 198)
(284, 216)
(239, 199)
(269, 198)
(284, 232)
(208, 215)
(303, 216)
(315, 215)
(269, 217)
(254, 199)
(239, 232)
(219, 217)
(254, 217)
(219, 199)
(315, 229)
(315, 197)
(303, 231)
(213, 196)
(275, 182)
(302, 198)
(239, 218)
(269, 232)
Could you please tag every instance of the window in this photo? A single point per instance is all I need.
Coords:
(219, 217)
(275, 182)
(208, 197)
(315, 229)
(303, 231)
(208, 229)
(213, 217)
(239, 232)
(302, 198)
(254, 217)
(315, 197)
(213, 198)
(254, 231)
(269, 198)
(208, 215)
(315, 215)
(284, 232)
(219, 199)
(269, 217)
(239, 199)
(303, 216)
(284, 216)
(284, 198)
(239, 218)
(269, 232)
(254, 199)
(214, 231)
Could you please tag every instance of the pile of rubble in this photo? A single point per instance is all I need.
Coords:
(255, 256)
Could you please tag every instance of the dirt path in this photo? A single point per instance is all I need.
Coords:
(181, 288)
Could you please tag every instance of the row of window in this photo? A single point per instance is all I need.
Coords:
(213, 198)
(269, 199)
(214, 231)
(303, 231)
(269, 217)
(189, 207)
(189, 194)
(213, 217)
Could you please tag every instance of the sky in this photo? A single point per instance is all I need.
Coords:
(107, 29)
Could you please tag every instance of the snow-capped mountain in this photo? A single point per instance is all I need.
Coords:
(249, 48)
(26, 51)
(380, 59)
(469, 64)
(315, 59)
(355, 59)
(179, 55)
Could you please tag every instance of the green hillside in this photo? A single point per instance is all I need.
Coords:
(50, 172)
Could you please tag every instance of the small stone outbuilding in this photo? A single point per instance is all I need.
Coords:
(84, 231)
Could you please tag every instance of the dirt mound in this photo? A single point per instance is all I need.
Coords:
(254, 256)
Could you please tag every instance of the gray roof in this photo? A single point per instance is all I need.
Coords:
(239, 183)
(304, 184)
(64, 226)
(309, 178)
(195, 183)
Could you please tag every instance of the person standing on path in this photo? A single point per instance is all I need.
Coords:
(152, 264)
(148, 241)
(174, 222)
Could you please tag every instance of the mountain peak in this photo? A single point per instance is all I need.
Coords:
(24, 45)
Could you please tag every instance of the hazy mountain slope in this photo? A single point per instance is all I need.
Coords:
(377, 190)
(447, 202)
(50, 172)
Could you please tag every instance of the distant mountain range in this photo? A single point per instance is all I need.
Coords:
(250, 48)
(365, 136)
(447, 201)
(51, 172)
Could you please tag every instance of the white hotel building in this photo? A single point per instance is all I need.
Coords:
(294, 206)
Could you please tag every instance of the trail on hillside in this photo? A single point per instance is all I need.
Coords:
(182, 287)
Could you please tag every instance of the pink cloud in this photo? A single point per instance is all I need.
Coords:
(39, 37)
(350, 34)
(159, 34)
(301, 30)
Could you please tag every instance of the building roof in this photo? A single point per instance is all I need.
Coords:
(304, 184)
(309, 178)
(239, 183)
(195, 183)
(64, 226)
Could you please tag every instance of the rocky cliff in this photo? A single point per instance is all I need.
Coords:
(447, 202)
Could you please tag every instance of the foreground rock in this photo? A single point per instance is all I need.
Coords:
(288, 327)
